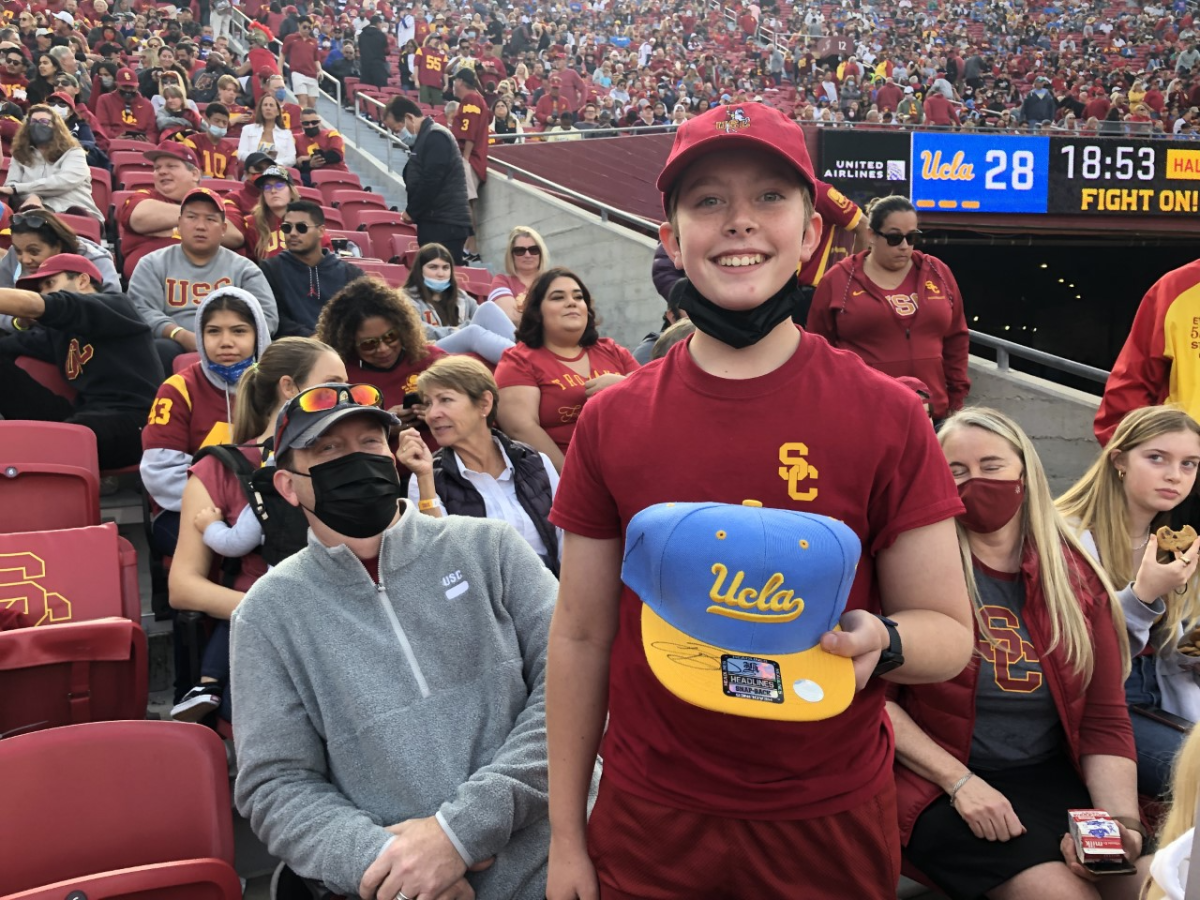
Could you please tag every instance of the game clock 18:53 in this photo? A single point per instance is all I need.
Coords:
(1120, 176)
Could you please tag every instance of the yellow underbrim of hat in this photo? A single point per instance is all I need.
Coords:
(815, 684)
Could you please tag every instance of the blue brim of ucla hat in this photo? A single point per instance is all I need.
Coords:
(735, 600)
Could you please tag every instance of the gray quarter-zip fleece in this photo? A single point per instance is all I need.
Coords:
(357, 706)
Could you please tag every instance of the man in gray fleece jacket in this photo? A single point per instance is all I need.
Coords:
(389, 684)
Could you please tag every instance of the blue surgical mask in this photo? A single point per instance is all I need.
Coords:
(217, 132)
(280, 93)
(407, 137)
(438, 286)
(231, 374)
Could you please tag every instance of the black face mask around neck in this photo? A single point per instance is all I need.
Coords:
(356, 494)
(738, 328)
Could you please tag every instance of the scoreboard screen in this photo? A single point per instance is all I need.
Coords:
(980, 173)
(1122, 176)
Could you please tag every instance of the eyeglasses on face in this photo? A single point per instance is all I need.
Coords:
(532, 251)
(298, 227)
(895, 238)
(371, 345)
(276, 186)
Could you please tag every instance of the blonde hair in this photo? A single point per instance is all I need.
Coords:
(1098, 503)
(262, 215)
(258, 388)
(1051, 537)
(1185, 791)
(526, 232)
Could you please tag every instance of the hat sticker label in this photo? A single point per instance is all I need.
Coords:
(736, 120)
(751, 678)
(772, 604)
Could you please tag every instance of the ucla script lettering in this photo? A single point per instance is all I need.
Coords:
(933, 169)
(772, 604)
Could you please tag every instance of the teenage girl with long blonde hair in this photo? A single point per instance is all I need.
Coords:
(1148, 468)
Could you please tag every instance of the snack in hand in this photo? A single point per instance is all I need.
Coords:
(1172, 542)
(1189, 644)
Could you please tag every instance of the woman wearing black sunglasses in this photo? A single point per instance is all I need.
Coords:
(524, 260)
(898, 308)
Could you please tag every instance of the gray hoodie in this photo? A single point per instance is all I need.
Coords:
(164, 469)
(358, 706)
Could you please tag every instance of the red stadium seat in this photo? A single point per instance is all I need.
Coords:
(132, 179)
(401, 243)
(333, 217)
(331, 183)
(221, 185)
(84, 226)
(49, 476)
(129, 159)
(113, 797)
(182, 361)
(474, 281)
(101, 188)
(47, 375)
(394, 275)
(351, 203)
(191, 879)
(116, 145)
(381, 224)
(310, 193)
(359, 238)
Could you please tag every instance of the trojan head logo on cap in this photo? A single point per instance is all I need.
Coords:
(735, 600)
(736, 120)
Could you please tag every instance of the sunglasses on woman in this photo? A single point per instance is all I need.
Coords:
(532, 251)
(370, 345)
(895, 238)
(298, 227)
(29, 220)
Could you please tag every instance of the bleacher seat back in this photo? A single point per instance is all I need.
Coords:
(101, 188)
(49, 476)
(65, 575)
(183, 360)
(191, 879)
(47, 375)
(134, 179)
(391, 273)
(332, 183)
(105, 796)
(85, 226)
(128, 144)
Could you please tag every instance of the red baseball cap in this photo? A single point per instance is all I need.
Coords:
(64, 98)
(63, 262)
(203, 193)
(175, 149)
(749, 125)
(126, 77)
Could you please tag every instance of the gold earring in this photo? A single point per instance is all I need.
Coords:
(1121, 474)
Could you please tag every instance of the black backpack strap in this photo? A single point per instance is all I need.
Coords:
(232, 458)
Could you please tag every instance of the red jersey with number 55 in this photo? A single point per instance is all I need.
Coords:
(471, 124)
(563, 392)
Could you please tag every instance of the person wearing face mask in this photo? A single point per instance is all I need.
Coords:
(434, 175)
(63, 104)
(48, 162)
(472, 826)
(104, 81)
(898, 308)
(452, 318)
(318, 148)
(195, 407)
(989, 762)
(221, 532)
(125, 113)
(215, 151)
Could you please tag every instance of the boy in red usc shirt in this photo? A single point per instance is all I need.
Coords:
(696, 803)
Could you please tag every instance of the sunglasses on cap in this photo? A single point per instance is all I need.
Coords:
(298, 227)
(895, 238)
(532, 251)
(370, 345)
(323, 397)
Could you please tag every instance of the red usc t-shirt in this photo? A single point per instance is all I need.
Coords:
(397, 381)
(324, 141)
(822, 434)
(301, 54)
(430, 64)
(563, 393)
(837, 211)
(471, 124)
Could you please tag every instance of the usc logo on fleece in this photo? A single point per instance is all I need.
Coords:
(1006, 651)
(77, 358)
(181, 292)
(796, 469)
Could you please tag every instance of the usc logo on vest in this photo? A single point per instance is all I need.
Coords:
(181, 292)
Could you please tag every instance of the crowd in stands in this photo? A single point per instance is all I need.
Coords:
(280, 399)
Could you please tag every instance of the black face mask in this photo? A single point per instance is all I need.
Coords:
(312, 130)
(356, 494)
(737, 328)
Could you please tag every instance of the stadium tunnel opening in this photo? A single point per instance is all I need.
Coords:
(1073, 297)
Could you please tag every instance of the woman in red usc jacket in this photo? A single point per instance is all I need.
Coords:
(898, 308)
(988, 763)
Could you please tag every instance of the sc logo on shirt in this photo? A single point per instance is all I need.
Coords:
(795, 468)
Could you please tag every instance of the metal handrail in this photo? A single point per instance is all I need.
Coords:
(1005, 349)
(605, 211)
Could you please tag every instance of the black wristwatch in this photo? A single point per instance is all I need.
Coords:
(893, 657)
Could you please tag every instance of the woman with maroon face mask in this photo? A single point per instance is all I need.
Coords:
(988, 764)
